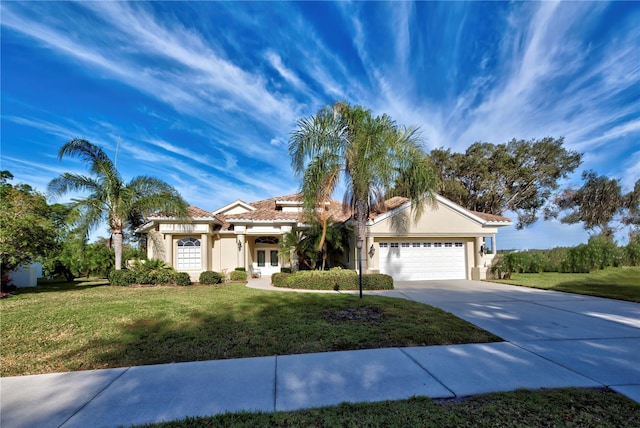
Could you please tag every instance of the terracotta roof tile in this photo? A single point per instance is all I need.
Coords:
(197, 212)
(270, 204)
(267, 215)
(490, 217)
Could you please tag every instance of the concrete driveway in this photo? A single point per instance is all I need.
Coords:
(595, 337)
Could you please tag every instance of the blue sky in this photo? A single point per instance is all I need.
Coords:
(205, 95)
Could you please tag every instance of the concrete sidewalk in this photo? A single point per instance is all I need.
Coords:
(553, 340)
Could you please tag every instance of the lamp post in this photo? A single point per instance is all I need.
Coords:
(359, 245)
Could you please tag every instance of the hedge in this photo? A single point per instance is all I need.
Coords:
(127, 277)
(209, 277)
(599, 253)
(334, 279)
(238, 275)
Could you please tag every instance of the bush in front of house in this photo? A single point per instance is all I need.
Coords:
(377, 281)
(241, 269)
(333, 279)
(238, 275)
(209, 277)
(181, 278)
(279, 279)
(122, 277)
(126, 277)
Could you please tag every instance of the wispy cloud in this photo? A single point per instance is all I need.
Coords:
(217, 94)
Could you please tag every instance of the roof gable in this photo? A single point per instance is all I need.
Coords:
(398, 204)
(236, 207)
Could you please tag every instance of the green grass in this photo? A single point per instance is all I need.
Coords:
(616, 283)
(545, 408)
(83, 326)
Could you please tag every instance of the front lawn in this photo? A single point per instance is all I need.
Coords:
(616, 283)
(85, 326)
(545, 408)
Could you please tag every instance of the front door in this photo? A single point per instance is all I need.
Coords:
(267, 261)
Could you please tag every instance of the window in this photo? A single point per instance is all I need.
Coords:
(394, 245)
(274, 258)
(267, 240)
(458, 244)
(437, 244)
(405, 245)
(416, 245)
(448, 244)
(261, 258)
(427, 245)
(188, 254)
(384, 245)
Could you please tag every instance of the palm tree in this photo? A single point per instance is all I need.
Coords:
(369, 153)
(110, 199)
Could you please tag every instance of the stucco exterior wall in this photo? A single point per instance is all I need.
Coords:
(439, 220)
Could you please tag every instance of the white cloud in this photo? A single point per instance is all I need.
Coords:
(276, 62)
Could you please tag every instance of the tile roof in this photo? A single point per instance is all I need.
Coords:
(270, 204)
(490, 217)
(197, 212)
(266, 210)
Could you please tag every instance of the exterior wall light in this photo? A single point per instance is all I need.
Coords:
(239, 245)
(372, 251)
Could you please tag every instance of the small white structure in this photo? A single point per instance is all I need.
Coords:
(26, 276)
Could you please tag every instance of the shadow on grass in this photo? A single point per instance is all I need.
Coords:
(60, 285)
(265, 326)
(601, 287)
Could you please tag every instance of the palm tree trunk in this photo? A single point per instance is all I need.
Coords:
(362, 232)
(117, 248)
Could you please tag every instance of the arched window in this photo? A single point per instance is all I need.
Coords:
(267, 240)
(188, 254)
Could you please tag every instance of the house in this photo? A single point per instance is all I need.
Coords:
(445, 242)
(26, 275)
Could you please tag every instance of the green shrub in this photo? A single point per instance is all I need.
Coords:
(377, 281)
(280, 279)
(555, 256)
(333, 279)
(181, 278)
(285, 269)
(241, 269)
(210, 277)
(122, 277)
(632, 251)
(524, 262)
(599, 253)
(238, 275)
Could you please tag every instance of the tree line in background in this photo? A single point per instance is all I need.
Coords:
(373, 156)
(600, 252)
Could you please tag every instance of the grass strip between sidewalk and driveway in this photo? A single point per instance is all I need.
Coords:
(570, 407)
(622, 283)
(85, 326)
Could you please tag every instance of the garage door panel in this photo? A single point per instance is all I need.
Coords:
(408, 261)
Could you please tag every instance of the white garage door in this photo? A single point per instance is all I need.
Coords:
(411, 261)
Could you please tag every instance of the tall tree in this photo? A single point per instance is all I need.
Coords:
(110, 199)
(598, 204)
(518, 176)
(343, 142)
(27, 231)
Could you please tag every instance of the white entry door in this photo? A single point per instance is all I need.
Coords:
(412, 261)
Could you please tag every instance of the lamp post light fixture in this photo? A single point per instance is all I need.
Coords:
(359, 245)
